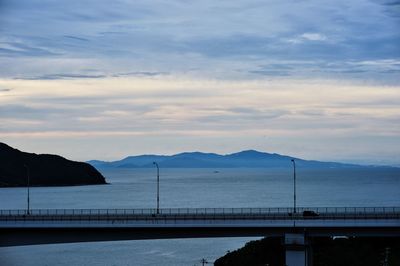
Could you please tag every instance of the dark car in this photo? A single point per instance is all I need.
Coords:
(310, 214)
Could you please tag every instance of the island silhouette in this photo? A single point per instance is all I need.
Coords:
(247, 158)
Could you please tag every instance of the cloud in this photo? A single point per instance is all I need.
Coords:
(273, 73)
(63, 76)
(91, 76)
(76, 38)
(140, 73)
(149, 38)
(314, 37)
(20, 49)
(220, 75)
(393, 8)
(308, 37)
(367, 70)
(392, 3)
(147, 104)
(4, 89)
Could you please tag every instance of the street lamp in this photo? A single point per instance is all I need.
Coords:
(204, 261)
(294, 185)
(28, 177)
(158, 187)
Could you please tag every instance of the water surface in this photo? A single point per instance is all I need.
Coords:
(186, 188)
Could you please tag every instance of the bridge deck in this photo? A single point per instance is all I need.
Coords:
(68, 225)
(202, 216)
(320, 211)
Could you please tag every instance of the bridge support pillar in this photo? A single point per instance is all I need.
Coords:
(296, 250)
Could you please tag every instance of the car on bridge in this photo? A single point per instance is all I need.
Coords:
(308, 213)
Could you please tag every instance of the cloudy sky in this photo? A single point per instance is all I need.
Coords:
(106, 79)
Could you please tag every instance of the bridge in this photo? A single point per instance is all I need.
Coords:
(45, 226)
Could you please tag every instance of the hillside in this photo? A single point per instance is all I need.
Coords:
(363, 251)
(44, 170)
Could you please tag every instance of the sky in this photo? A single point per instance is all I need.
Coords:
(107, 79)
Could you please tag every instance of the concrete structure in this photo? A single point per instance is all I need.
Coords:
(66, 226)
(296, 253)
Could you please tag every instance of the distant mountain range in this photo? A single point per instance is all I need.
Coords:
(249, 158)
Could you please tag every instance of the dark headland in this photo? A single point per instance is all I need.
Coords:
(44, 170)
(361, 251)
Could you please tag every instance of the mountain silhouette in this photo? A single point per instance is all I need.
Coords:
(44, 170)
(248, 158)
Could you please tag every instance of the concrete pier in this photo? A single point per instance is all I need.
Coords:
(295, 250)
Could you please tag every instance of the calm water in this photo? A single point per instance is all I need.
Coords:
(136, 188)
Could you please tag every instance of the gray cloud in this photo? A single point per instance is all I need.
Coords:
(21, 49)
(231, 117)
(227, 41)
(153, 38)
(273, 73)
(392, 3)
(76, 38)
(62, 76)
(140, 73)
(353, 69)
(27, 111)
(393, 8)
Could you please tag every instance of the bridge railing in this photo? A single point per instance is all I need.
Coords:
(197, 212)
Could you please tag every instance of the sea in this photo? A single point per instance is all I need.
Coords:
(191, 188)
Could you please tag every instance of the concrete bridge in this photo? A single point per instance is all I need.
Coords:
(18, 227)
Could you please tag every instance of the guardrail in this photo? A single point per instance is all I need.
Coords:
(202, 214)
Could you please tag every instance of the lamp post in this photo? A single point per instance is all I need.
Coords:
(158, 188)
(28, 177)
(294, 185)
(204, 261)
